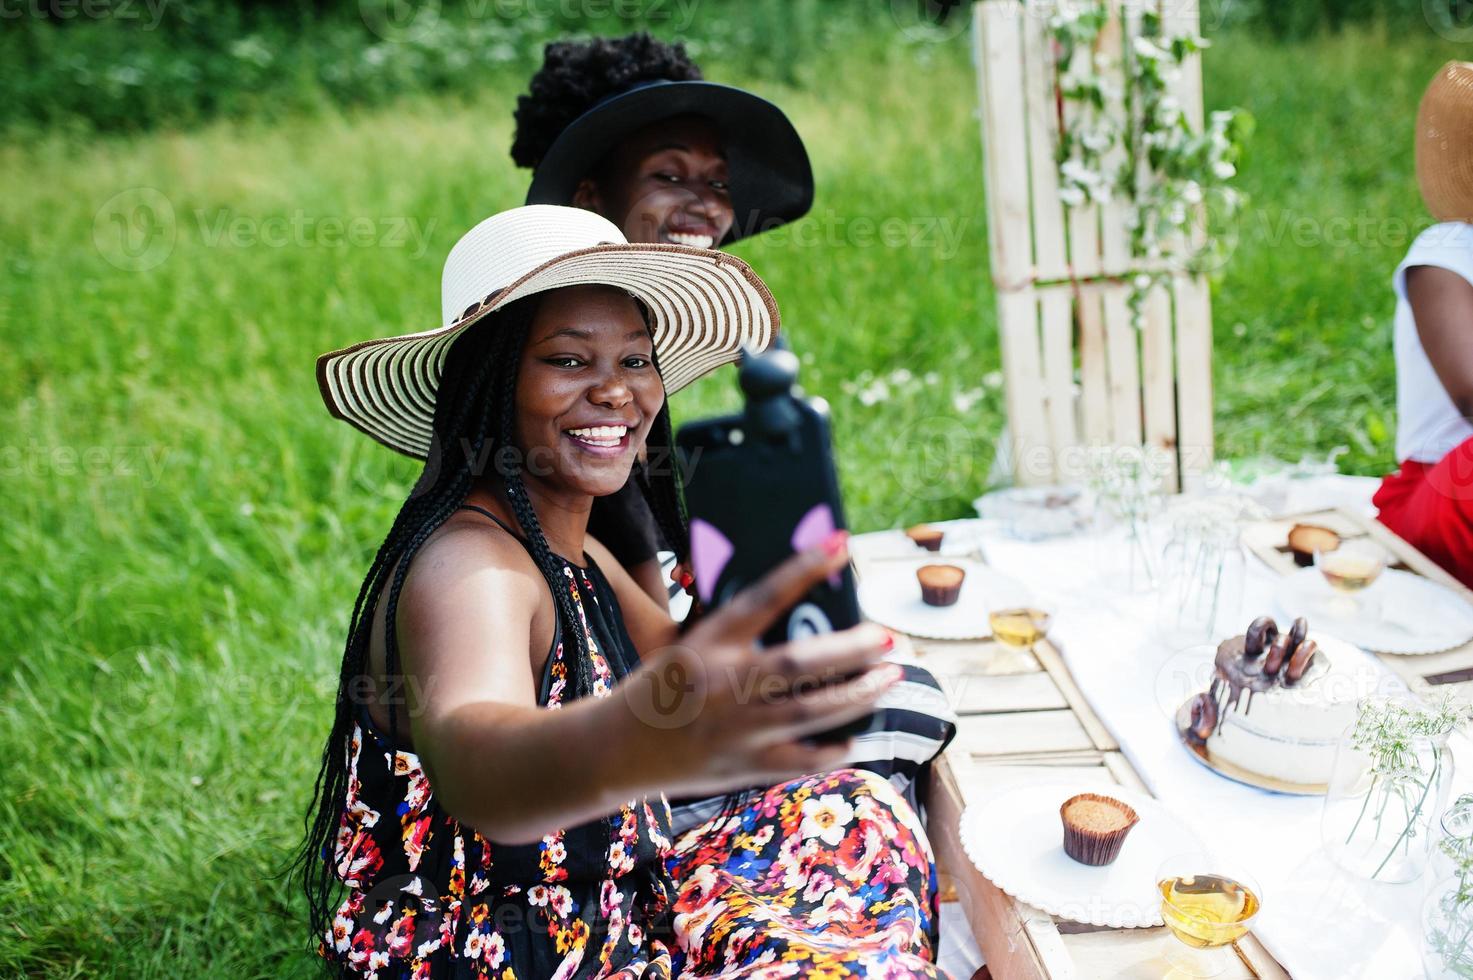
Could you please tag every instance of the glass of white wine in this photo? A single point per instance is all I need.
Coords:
(1021, 626)
(1351, 568)
(1207, 903)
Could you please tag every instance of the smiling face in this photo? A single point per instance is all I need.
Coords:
(665, 184)
(587, 390)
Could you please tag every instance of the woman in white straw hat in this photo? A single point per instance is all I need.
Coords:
(462, 827)
(1429, 500)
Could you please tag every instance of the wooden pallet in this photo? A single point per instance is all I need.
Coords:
(1433, 672)
(1022, 717)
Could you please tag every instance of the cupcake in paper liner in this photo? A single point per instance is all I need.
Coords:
(1095, 827)
(940, 584)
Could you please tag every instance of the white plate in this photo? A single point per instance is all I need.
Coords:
(1402, 613)
(890, 594)
(1016, 839)
(960, 538)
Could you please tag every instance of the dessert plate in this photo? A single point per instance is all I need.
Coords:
(890, 595)
(1016, 839)
(961, 539)
(1231, 770)
(1401, 613)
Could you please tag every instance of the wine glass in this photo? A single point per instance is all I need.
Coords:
(1021, 626)
(1207, 903)
(1351, 568)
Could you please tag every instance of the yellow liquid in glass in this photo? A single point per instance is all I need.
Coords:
(1019, 627)
(1207, 910)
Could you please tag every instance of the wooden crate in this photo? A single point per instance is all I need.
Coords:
(1064, 274)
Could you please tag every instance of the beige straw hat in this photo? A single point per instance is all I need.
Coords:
(706, 306)
(1445, 143)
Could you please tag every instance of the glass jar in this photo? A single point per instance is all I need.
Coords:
(1201, 581)
(1447, 929)
(1385, 798)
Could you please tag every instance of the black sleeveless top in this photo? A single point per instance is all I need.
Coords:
(428, 897)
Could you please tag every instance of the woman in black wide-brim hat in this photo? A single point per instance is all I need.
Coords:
(627, 127)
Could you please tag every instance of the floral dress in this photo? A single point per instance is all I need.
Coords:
(828, 875)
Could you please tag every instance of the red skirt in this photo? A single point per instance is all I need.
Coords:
(1430, 505)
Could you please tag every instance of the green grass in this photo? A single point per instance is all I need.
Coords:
(187, 528)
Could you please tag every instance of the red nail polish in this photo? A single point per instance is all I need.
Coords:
(889, 643)
(686, 580)
(834, 543)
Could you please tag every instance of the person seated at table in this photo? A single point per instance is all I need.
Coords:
(1429, 499)
(512, 707)
(628, 128)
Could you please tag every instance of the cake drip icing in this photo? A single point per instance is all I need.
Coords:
(1260, 659)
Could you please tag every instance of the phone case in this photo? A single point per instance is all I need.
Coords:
(759, 487)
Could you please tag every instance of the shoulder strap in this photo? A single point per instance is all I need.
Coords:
(500, 523)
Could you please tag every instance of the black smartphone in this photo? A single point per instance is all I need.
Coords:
(759, 487)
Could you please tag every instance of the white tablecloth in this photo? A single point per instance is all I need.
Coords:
(1317, 921)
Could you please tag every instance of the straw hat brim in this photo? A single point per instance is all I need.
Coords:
(1444, 147)
(705, 307)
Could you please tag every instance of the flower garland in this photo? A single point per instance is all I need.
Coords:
(1170, 172)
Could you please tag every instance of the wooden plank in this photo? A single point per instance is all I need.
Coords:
(1139, 954)
(1195, 448)
(998, 923)
(1158, 383)
(1057, 315)
(1053, 663)
(998, 54)
(1021, 732)
(1023, 382)
(1123, 357)
(971, 694)
(977, 658)
(1094, 375)
(1115, 253)
(1050, 259)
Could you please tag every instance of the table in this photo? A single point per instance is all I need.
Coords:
(1021, 716)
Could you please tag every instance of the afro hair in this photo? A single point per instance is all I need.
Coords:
(576, 74)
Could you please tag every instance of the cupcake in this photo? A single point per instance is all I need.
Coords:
(1306, 539)
(940, 584)
(1095, 827)
(926, 536)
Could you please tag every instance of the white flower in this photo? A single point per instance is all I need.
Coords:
(963, 401)
(900, 376)
(992, 379)
(1072, 196)
(826, 818)
(1096, 140)
(1223, 170)
(1144, 48)
(1142, 282)
(874, 393)
(931, 377)
(1191, 192)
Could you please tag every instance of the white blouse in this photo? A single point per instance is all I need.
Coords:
(1428, 425)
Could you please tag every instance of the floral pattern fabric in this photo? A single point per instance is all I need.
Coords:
(824, 876)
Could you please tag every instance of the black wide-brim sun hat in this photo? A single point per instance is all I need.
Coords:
(770, 176)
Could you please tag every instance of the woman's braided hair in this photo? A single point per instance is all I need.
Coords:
(475, 405)
(576, 74)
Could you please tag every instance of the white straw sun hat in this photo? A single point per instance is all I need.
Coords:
(705, 305)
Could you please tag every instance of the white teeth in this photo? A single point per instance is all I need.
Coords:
(601, 435)
(696, 241)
